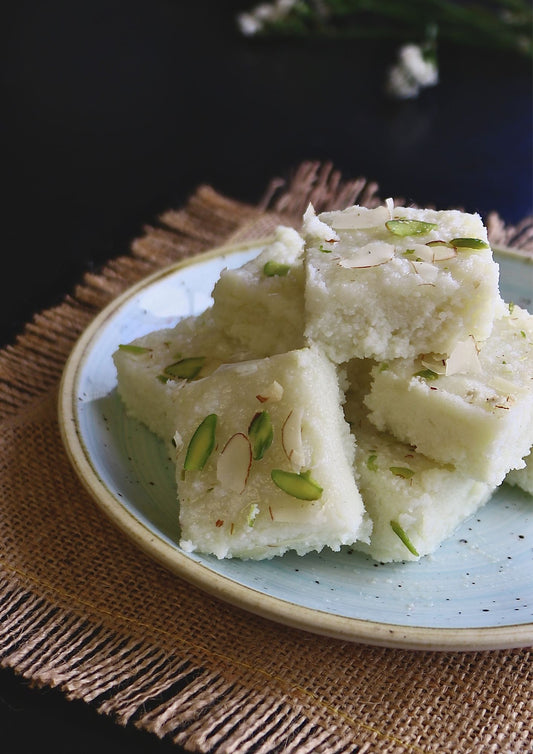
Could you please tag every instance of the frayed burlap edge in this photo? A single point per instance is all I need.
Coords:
(52, 641)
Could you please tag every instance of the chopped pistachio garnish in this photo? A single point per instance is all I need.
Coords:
(325, 251)
(201, 444)
(469, 243)
(383, 367)
(273, 268)
(185, 369)
(402, 471)
(299, 485)
(251, 514)
(405, 227)
(129, 348)
(397, 529)
(261, 434)
(426, 374)
(511, 306)
(371, 462)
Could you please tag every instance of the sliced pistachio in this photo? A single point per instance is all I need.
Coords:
(251, 514)
(405, 227)
(201, 444)
(261, 434)
(426, 374)
(272, 268)
(185, 369)
(397, 529)
(300, 485)
(402, 471)
(323, 250)
(130, 348)
(371, 462)
(469, 243)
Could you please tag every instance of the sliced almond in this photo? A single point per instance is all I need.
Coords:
(355, 218)
(291, 438)
(464, 358)
(442, 250)
(234, 462)
(371, 255)
(434, 361)
(430, 252)
(503, 386)
(273, 393)
(427, 272)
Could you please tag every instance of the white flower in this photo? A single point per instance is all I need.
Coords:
(249, 24)
(400, 84)
(411, 73)
(253, 22)
(423, 71)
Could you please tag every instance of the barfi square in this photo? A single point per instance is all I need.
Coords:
(389, 283)
(264, 460)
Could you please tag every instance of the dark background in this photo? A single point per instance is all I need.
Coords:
(113, 111)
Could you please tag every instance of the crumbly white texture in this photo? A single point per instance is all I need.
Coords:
(480, 422)
(401, 307)
(142, 384)
(261, 520)
(263, 312)
(428, 505)
(523, 478)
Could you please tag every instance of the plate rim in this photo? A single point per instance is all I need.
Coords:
(356, 630)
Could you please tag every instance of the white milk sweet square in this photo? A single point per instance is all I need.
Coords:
(264, 460)
(261, 303)
(473, 408)
(396, 282)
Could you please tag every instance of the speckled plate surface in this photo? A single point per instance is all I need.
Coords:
(475, 592)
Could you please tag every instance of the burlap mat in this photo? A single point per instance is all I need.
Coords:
(82, 609)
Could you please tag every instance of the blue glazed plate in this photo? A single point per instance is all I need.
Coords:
(475, 592)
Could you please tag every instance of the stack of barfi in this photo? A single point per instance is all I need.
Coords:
(360, 383)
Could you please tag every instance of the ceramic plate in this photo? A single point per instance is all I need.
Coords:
(475, 592)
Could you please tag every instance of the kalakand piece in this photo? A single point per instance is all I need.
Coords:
(265, 460)
(396, 282)
(473, 408)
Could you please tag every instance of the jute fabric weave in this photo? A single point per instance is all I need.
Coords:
(82, 609)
